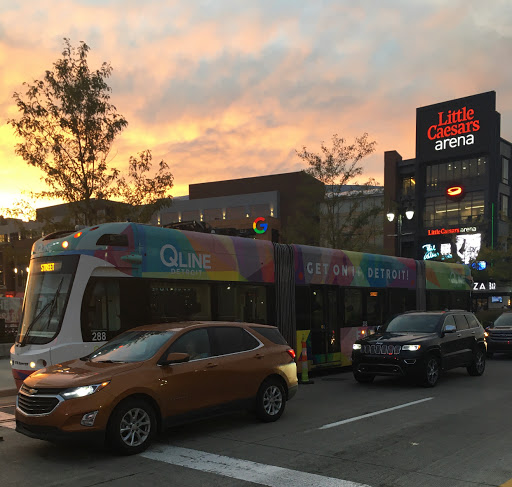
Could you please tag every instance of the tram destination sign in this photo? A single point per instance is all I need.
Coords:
(456, 128)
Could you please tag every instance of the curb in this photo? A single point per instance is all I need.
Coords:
(8, 392)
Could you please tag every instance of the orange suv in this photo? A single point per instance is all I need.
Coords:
(153, 376)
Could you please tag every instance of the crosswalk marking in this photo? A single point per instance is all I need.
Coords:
(257, 473)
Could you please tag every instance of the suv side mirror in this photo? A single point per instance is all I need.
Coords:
(378, 328)
(450, 329)
(175, 358)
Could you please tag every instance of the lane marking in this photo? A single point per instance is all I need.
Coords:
(508, 483)
(8, 424)
(382, 411)
(257, 473)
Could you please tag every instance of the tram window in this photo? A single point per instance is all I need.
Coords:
(459, 300)
(242, 303)
(401, 300)
(438, 300)
(170, 301)
(317, 308)
(101, 311)
(225, 302)
(375, 308)
(353, 307)
(302, 316)
(251, 304)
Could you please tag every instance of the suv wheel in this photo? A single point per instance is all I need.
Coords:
(431, 372)
(270, 401)
(131, 427)
(363, 378)
(478, 365)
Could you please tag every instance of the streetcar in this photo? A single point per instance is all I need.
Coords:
(87, 286)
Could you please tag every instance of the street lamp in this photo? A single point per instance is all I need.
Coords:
(409, 214)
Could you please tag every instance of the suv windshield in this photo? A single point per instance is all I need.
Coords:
(504, 320)
(131, 346)
(414, 323)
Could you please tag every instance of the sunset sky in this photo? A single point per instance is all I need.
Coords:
(226, 89)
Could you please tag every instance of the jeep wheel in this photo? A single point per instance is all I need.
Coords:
(431, 371)
(478, 365)
(363, 378)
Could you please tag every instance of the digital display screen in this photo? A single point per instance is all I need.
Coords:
(496, 299)
(51, 266)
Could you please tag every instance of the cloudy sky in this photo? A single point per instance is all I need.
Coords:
(225, 89)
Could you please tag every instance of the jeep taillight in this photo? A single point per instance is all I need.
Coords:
(291, 353)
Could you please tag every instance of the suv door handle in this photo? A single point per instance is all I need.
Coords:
(258, 355)
(459, 335)
(211, 365)
(473, 332)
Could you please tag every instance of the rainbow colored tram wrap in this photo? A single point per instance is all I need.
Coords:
(86, 287)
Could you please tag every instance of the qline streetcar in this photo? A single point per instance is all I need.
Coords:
(87, 286)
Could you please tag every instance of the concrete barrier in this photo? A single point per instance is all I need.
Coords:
(5, 350)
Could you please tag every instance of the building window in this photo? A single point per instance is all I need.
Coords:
(408, 186)
(439, 211)
(453, 172)
(504, 170)
(503, 207)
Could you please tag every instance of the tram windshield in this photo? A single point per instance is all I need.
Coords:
(46, 296)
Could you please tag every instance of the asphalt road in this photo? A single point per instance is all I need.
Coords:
(335, 432)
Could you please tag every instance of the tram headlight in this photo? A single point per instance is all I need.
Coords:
(84, 390)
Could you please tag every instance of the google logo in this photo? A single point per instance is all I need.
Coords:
(263, 226)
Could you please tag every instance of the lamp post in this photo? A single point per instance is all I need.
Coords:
(409, 214)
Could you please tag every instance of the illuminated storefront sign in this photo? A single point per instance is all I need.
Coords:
(456, 127)
(465, 247)
(484, 286)
(455, 192)
(446, 231)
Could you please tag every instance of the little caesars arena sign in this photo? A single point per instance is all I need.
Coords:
(457, 127)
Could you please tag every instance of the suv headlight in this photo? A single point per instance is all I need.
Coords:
(84, 390)
(411, 348)
(356, 346)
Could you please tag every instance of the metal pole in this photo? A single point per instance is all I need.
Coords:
(399, 235)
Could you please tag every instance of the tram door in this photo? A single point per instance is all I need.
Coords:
(324, 324)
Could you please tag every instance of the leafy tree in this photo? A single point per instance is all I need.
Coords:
(145, 195)
(68, 126)
(21, 209)
(499, 262)
(348, 219)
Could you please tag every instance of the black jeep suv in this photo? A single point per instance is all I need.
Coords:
(420, 345)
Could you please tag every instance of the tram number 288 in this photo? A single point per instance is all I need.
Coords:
(99, 336)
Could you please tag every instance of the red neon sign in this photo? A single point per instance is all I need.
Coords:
(454, 191)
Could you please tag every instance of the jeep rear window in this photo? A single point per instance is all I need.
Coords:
(413, 323)
(271, 334)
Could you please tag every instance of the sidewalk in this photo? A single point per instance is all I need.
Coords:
(7, 385)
